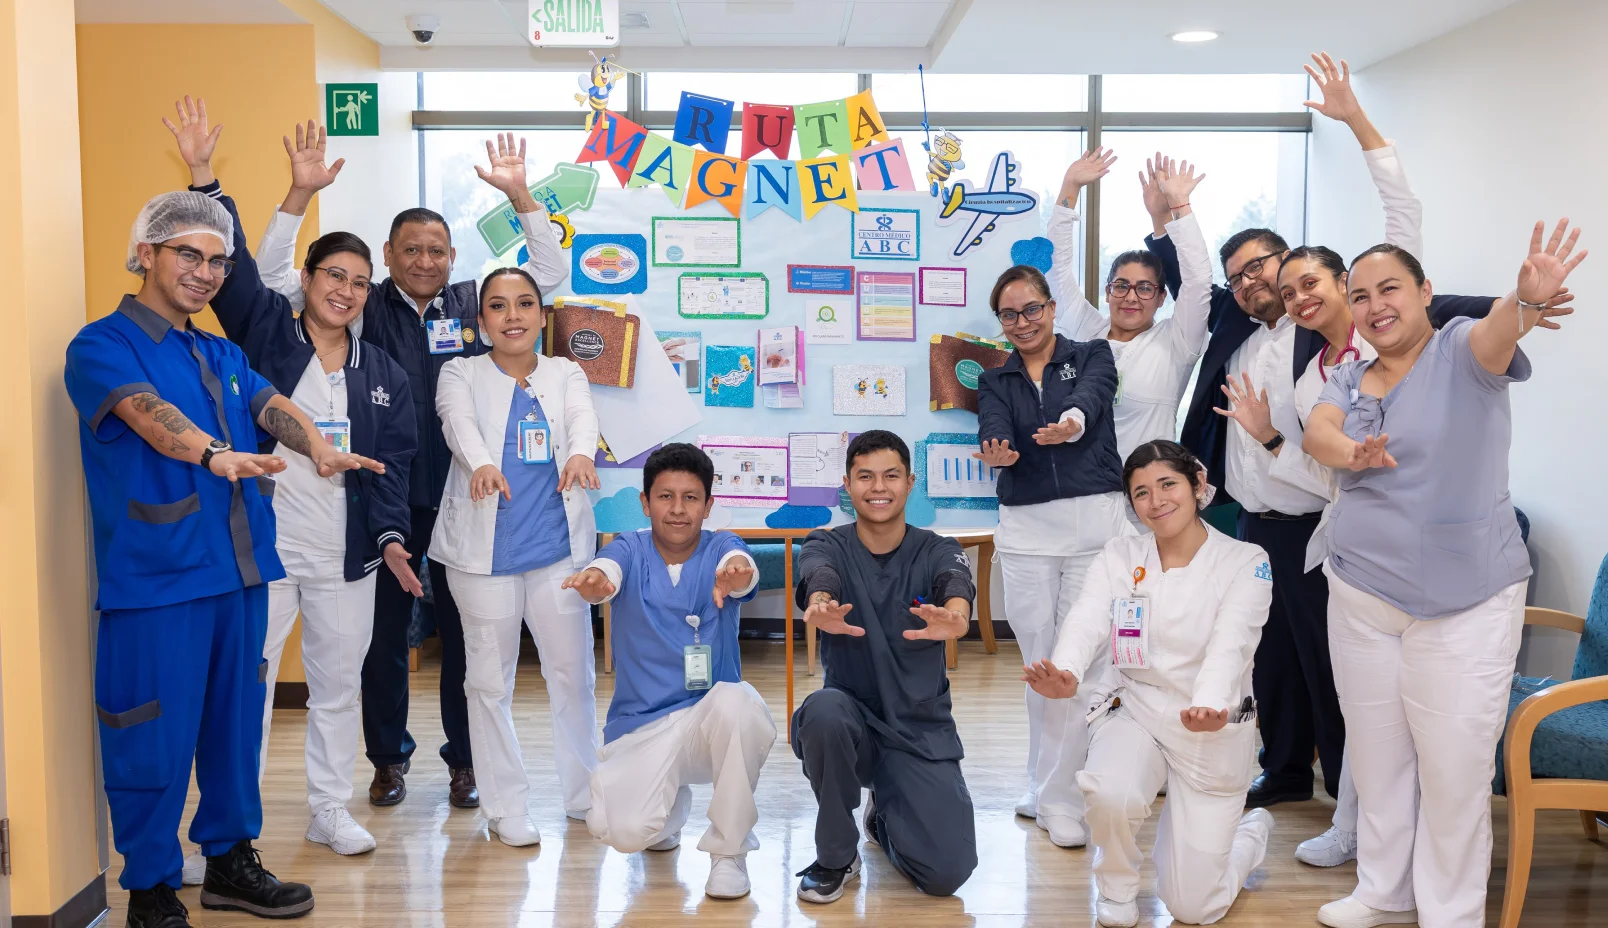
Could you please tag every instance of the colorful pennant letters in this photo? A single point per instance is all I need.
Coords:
(827, 180)
(718, 178)
(884, 167)
(866, 127)
(703, 121)
(773, 184)
(823, 126)
(767, 128)
(616, 140)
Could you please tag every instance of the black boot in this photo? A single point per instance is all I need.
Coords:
(237, 880)
(156, 907)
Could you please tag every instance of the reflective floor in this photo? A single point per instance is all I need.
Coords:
(436, 866)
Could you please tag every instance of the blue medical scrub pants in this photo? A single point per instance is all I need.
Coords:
(175, 684)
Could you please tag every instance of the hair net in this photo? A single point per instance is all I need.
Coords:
(182, 212)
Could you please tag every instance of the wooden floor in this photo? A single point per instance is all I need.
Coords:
(436, 866)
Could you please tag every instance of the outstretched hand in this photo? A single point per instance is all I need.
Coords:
(1196, 718)
(1177, 180)
(1058, 432)
(196, 143)
(1370, 453)
(1249, 408)
(827, 616)
(1049, 681)
(997, 452)
(579, 471)
(1542, 276)
(396, 558)
(507, 172)
(1334, 85)
(736, 575)
(307, 169)
(1094, 165)
(1150, 189)
(943, 623)
(486, 481)
(592, 584)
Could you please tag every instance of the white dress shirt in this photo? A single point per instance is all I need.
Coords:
(1266, 356)
(311, 510)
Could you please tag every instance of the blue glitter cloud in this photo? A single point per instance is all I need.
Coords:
(799, 517)
(1034, 252)
(621, 512)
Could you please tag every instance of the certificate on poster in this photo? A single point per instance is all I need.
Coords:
(829, 321)
(885, 234)
(698, 241)
(733, 295)
(749, 471)
(887, 307)
(780, 356)
(943, 286)
(953, 473)
(820, 278)
(815, 464)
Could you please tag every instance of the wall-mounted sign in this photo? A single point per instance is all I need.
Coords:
(576, 23)
(352, 109)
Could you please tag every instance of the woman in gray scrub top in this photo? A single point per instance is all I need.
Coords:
(1427, 575)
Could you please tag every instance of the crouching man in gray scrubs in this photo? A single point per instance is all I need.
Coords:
(887, 596)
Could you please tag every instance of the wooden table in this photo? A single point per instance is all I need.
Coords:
(982, 539)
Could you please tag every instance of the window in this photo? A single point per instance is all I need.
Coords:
(507, 90)
(982, 93)
(782, 88)
(1203, 93)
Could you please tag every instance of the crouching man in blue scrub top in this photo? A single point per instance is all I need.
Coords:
(681, 713)
(184, 550)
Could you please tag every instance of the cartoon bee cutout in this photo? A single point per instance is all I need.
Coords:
(714, 385)
(862, 386)
(744, 363)
(882, 387)
(597, 85)
(945, 160)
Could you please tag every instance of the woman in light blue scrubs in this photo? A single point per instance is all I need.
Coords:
(1427, 575)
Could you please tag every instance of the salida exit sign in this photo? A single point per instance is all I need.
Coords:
(584, 23)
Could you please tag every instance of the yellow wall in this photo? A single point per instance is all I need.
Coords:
(44, 629)
(343, 54)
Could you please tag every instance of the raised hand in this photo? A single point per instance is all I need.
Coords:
(736, 575)
(579, 470)
(997, 453)
(1370, 453)
(507, 172)
(1155, 200)
(396, 558)
(1177, 180)
(196, 143)
(827, 616)
(1057, 432)
(591, 583)
(1086, 170)
(1542, 275)
(1558, 305)
(1049, 681)
(1334, 85)
(943, 623)
(488, 481)
(1249, 408)
(1196, 718)
(307, 169)
(237, 465)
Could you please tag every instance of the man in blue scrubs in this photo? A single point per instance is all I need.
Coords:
(184, 549)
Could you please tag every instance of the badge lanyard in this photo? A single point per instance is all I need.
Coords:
(697, 658)
(535, 438)
(337, 430)
(1130, 617)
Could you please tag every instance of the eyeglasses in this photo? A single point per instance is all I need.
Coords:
(1252, 268)
(1119, 288)
(339, 279)
(189, 260)
(1031, 312)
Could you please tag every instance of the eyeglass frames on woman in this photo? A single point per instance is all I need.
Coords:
(1119, 288)
(339, 279)
(189, 259)
(1031, 312)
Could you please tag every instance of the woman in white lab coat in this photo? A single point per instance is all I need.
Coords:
(515, 522)
(1154, 359)
(1181, 610)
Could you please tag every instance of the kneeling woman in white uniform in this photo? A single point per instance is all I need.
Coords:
(1180, 610)
(515, 523)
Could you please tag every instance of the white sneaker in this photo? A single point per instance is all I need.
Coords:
(728, 878)
(1065, 831)
(336, 828)
(575, 815)
(1350, 913)
(1116, 914)
(1027, 806)
(195, 869)
(515, 830)
(1330, 849)
(669, 842)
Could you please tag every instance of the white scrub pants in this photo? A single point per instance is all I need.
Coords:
(561, 623)
(1039, 592)
(642, 787)
(1425, 702)
(1202, 858)
(337, 624)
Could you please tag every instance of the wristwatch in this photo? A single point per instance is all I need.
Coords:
(1272, 444)
(213, 447)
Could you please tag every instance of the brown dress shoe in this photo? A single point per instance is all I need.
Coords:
(464, 794)
(388, 789)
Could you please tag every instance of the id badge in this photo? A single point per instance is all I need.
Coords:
(338, 432)
(695, 663)
(535, 443)
(1128, 620)
(446, 336)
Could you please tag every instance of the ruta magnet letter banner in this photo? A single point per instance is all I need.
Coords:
(823, 126)
(616, 140)
(866, 127)
(666, 163)
(718, 178)
(774, 184)
(703, 121)
(884, 167)
(827, 180)
(767, 127)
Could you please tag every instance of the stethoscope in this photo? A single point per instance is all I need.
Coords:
(1350, 349)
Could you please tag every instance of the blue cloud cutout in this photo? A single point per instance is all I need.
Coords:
(919, 510)
(621, 512)
(1034, 252)
(799, 517)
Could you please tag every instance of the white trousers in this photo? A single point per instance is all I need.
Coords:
(337, 624)
(1425, 702)
(1345, 804)
(1202, 859)
(1039, 592)
(641, 789)
(562, 626)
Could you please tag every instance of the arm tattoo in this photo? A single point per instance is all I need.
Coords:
(283, 426)
(163, 413)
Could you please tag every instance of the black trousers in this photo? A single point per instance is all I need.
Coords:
(923, 810)
(385, 669)
(1292, 679)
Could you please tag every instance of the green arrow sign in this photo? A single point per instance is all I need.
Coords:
(569, 188)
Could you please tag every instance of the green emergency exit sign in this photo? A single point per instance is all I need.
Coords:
(352, 109)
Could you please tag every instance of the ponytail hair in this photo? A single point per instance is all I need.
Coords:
(1177, 458)
(1328, 257)
(504, 272)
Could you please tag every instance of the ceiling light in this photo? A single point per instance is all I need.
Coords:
(1194, 35)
